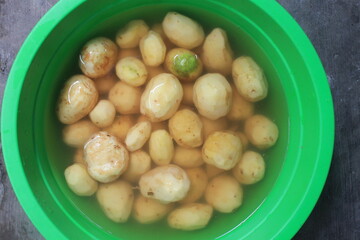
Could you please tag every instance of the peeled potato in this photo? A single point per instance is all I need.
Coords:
(105, 83)
(161, 147)
(78, 97)
(147, 210)
(116, 200)
(125, 98)
(129, 36)
(188, 157)
(140, 163)
(106, 157)
(153, 49)
(77, 134)
(131, 71)
(250, 169)
(211, 126)
(157, 27)
(198, 183)
(212, 171)
(138, 135)
(261, 131)
(244, 140)
(224, 193)
(121, 126)
(241, 109)
(103, 114)
(190, 216)
(154, 125)
(79, 181)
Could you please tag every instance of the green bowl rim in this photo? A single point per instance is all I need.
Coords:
(55, 15)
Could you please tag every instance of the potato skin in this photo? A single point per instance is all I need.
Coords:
(147, 210)
(116, 200)
(224, 193)
(161, 147)
(212, 95)
(77, 134)
(125, 98)
(161, 97)
(120, 127)
(249, 79)
(103, 114)
(186, 128)
(250, 169)
(105, 83)
(153, 49)
(222, 149)
(190, 216)
(140, 163)
(198, 183)
(106, 157)
(131, 71)
(261, 131)
(79, 181)
(241, 109)
(188, 157)
(168, 183)
(182, 31)
(211, 126)
(129, 36)
(98, 57)
(78, 97)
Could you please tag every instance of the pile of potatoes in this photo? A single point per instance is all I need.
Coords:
(164, 123)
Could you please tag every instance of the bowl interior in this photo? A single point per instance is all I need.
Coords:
(46, 158)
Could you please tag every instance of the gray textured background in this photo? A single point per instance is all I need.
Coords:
(333, 27)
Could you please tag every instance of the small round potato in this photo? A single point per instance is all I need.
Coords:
(250, 169)
(222, 149)
(79, 180)
(138, 135)
(140, 163)
(129, 52)
(116, 200)
(217, 55)
(224, 193)
(212, 171)
(161, 147)
(211, 126)
(190, 216)
(98, 57)
(183, 31)
(184, 64)
(103, 114)
(132, 71)
(104, 84)
(188, 157)
(212, 95)
(77, 134)
(198, 183)
(186, 128)
(78, 97)
(125, 98)
(188, 94)
(244, 140)
(168, 183)
(153, 49)
(106, 158)
(161, 97)
(249, 79)
(130, 35)
(120, 127)
(261, 131)
(147, 210)
(240, 109)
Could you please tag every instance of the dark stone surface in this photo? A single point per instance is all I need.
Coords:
(333, 27)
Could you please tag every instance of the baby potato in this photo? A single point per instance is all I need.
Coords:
(130, 35)
(147, 210)
(222, 149)
(77, 134)
(211, 126)
(138, 135)
(132, 71)
(103, 114)
(240, 109)
(161, 97)
(188, 94)
(224, 193)
(78, 97)
(198, 183)
(140, 163)
(116, 200)
(121, 126)
(212, 96)
(249, 79)
(79, 181)
(168, 183)
(244, 140)
(261, 131)
(217, 55)
(129, 52)
(98, 57)
(106, 158)
(188, 157)
(250, 169)
(157, 27)
(79, 156)
(104, 84)
(186, 128)
(190, 216)
(184, 64)
(125, 98)
(161, 147)
(183, 31)
(212, 171)
(153, 49)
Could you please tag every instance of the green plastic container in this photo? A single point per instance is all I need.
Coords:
(299, 102)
